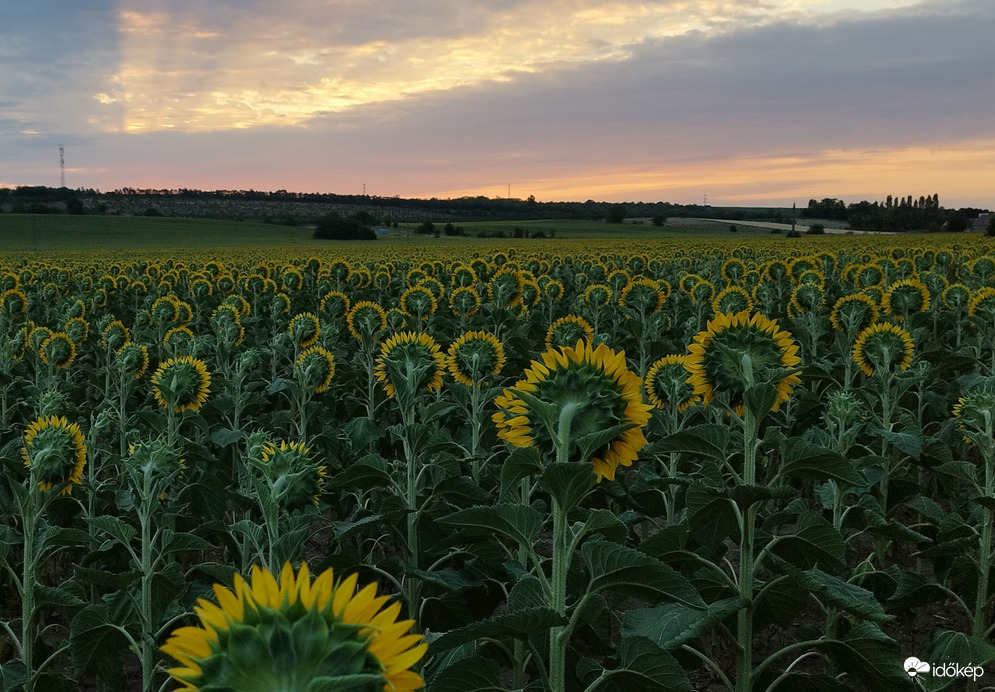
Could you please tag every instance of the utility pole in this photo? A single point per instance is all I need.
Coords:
(62, 166)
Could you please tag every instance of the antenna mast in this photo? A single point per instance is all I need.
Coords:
(62, 166)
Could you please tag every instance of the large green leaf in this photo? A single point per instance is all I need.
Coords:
(367, 473)
(94, 643)
(115, 527)
(810, 683)
(869, 656)
(626, 571)
(523, 462)
(802, 459)
(711, 517)
(836, 592)
(814, 542)
(945, 647)
(671, 625)
(706, 440)
(518, 624)
(514, 521)
(474, 674)
(645, 667)
(568, 482)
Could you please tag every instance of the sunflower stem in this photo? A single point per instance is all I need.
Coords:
(979, 624)
(744, 634)
(561, 558)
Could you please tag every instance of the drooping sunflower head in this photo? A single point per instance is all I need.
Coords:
(956, 297)
(181, 384)
(843, 409)
(568, 330)
(305, 329)
(666, 384)
(77, 329)
(57, 351)
(854, 312)
(410, 361)
(226, 321)
(883, 348)
(464, 301)
(505, 287)
(291, 474)
(806, 298)
(365, 320)
(982, 304)
(296, 634)
(132, 360)
(595, 390)
(732, 298)
(156, 458)
(179, 341)
(334, 304)
(37, 336)
(55, 452)
(597, 295)
(164, 309)
(418, 302)
(474, 357)
(736, 351)
(13, 301)
(975, 410)
(905, 297)
(642, 295)
(315, 368)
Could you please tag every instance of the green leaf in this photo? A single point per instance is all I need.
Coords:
(760, 399)
(60, 597)
(645, 667)
(568, 482)
(810, 683)
(367, 473)
(527, 593)
(815, 542)
(623, 570)
(361, 432)
(520, 524)
(802, 459)
(905, 442)
(604, 522)
(181, 542)
(958, 648)
(346, 530)
(94, 643)
(868, 656)
(523, 462)
(474, 674)
(671, 625)
(958, 470)
(115, 527)
(707, 440)
(13, 675)
(356, 682)
(519, 624)
(224, 437)
(278, 384)
(914, 591)
(711, 517)
(835, 592)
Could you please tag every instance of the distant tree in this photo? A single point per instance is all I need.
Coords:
(816, 229)
(426, 228)
(658, 220)
(336, 227)
(616, 213)
(732, 228)
(519, 232)
(990, 231)
(956, 223)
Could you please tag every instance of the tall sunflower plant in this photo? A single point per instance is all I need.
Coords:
(575, 422)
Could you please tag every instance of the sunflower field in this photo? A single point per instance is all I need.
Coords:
(572, 466)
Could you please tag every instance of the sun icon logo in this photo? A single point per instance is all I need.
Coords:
(914, 667)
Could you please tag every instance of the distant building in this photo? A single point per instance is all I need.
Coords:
(383, 231)
(981, 223)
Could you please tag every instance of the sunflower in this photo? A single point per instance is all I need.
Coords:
(77, 329)
(295, 634)
(114, 335)
(666, 383)
(164, 309)
(475, 356)
(976, 409)
(904, 297)
(552, 290)
(315, 368)
(597, 295)
(57, 351)
(983, 303)
(719, 354)
(505, 287)
(853, 312)
(732, 299)
(55, 452)
(13, 301)
(305, 329)
(806, 298)
(133, 359)
(226, 321)
(883, 347)
(418, 301)
(464, 301)
(365, 320)
(567, 330)
(597, 387)
(410, 360)
(293, 476)
(643, 295)
(179, 340)
(956, 297)
(335, 303)
(181, 383)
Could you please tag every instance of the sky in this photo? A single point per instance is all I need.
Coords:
(745, 103)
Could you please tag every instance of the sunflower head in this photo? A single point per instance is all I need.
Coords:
(296, 634)
(132, 360)
(157, 459)
(854, 312)
(905, 297)
(982, 304)
(568, 330)
(334, 304)
(55, 452)
(642, 295)
(290, 474)
(597, 295)
(883, 348)
(181, 384)
(975, 410)
(315, 368)
(737, 351)
(418, 302)
(58, 351)
(732, 299)
(179, 341)
(585, 393)
(474, 357)
(464, 301)
(365, 320)
(666, 384)
(409, 362)
(77, 329)
(305, 329)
